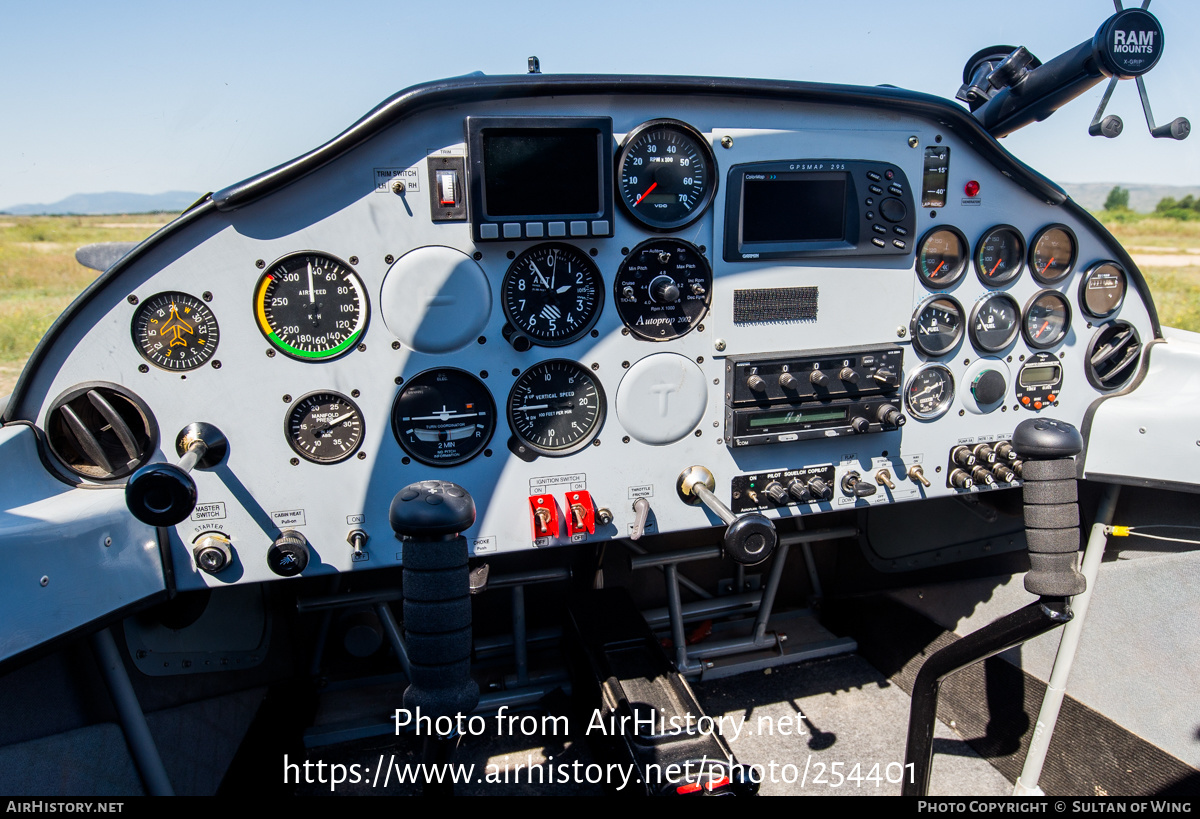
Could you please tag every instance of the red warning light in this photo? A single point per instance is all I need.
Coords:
(971, 188)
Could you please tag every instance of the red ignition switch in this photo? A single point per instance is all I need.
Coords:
(581, 514)
(543, 516)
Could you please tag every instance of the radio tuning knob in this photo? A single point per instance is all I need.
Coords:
(788, 381)
(664, 290)
(860, 424)
(799, 491)
(820, 489)
(848, 375)
(890, 416)
(818, 378)
(756, 383)
(775, 491)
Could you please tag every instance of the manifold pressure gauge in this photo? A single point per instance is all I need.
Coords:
(556, 407)
(311, 306)
(175, 331)
(324, 427)
(553, 293)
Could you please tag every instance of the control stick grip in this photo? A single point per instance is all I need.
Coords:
(429, 518)
(1051, 509)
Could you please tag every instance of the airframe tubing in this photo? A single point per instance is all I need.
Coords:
(1056, 688)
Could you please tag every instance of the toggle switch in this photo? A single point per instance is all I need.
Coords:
(543, 516)
(581, 514)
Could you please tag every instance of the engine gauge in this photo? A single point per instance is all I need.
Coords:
(324, 427)
(1052, 254)
(556, 407)
(1000, 255)
(942, 257)
(995, 322)
(937, 325)
(553, 293)
(930, 392)
(444, 417)
(175, 331)
(1047, 318)
(666, 174)
(1102, 289)
(662, 289)
(311, 306)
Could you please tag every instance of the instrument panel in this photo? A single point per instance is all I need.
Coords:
(585, 295)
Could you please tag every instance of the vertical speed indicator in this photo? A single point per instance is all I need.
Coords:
(556, 407)
(666, 174)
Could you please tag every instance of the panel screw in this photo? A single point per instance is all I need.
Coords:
(596, 442)
(395, 345)
(108, 541)
(206, 295)
(270, 353)
(726, 142)
(216, 365)
(716, 424)
(362, 348)
(913, 142)
(698, 433)
(294, 462)
(399, 381)
(625, 365)
(354, 393)
(625, 440)
(362, 456)
(1142, 430)
(287, 397)
(132, 299)
(719, 344)
(260, 264)
(353, 260)
(45, 581)
(142, 368)
(476, 255)
(595, 366)
(388, 259)
(901, 332)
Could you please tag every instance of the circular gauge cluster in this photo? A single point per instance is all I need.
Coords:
(555, 408)
(324, 427)
(553, 294)
(666, 174)
(311, 306)
(443, 417)
(175, 331)
(999, 258)
(662, 289)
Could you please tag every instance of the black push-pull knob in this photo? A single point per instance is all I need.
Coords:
(288, 555)
(164, 494)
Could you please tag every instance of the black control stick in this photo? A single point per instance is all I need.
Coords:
(749, 539)
(164, 494)
(429, 517)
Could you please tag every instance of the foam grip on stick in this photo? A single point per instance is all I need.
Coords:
(1051, 505)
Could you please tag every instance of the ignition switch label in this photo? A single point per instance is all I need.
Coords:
(562, 483)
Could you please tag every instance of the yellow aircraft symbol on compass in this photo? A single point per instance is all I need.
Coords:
(175, 328)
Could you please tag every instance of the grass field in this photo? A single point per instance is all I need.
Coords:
(39, 275)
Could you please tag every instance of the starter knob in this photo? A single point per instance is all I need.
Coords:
(848, 375)
(664, 290)
(775, 491)
(212, 552)
(788, 381)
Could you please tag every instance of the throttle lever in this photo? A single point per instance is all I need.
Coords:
(164, 494)
(750, 538)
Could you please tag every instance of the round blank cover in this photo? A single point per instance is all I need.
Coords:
(662, 398)
(435, 299)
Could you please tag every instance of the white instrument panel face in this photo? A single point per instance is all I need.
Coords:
(434, 296)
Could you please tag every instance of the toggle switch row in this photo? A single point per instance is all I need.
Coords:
(580, 515)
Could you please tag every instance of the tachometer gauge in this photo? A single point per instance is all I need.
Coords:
(175, 331)
(311, 306)
(324, 427)
(556, 408)
(1052, 254)
(942, 257)
(930, 392)
(553, 293)
(444, 417)
(1000, 255)
(666, 174)
(937, 325)
(995, 321)
(1102, 290)
(1047, 318)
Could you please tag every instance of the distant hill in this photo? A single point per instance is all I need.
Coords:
(1142, 198)
(91, 204)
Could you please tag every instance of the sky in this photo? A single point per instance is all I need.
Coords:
(146, 97)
